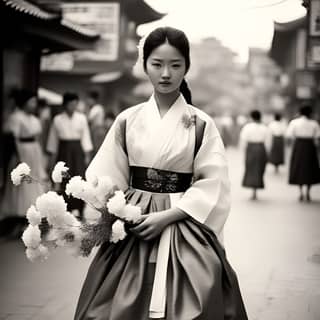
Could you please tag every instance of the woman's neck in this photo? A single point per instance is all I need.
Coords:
(165, 101)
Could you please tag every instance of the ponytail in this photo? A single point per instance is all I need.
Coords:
(186, 92)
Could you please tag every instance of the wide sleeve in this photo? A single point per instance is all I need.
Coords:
(53, 138)
(86, 141)
(111, 159)
(208, 198)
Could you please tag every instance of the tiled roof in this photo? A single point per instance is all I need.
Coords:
(29, 8)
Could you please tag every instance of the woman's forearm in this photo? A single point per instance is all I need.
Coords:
(174, 214)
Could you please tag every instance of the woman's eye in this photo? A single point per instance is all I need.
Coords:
(176, 65)
(158, 65)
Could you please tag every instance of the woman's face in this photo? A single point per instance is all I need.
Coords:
(166, 68)
(31, 105)
(71, 106)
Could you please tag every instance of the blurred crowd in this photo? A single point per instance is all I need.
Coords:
(41, 135)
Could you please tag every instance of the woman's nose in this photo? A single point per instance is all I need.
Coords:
(165, 72)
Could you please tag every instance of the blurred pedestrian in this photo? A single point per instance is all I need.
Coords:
(69, 141)
(304, 162)
(8, 145)
(278, 130)
(254, 138)
(96, 118)
(26, 129)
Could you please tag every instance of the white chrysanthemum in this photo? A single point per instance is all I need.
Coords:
(59, 172)
(52, 235)
(118, 231)
(19, 172)
(39, 253)
(116, 203)
(89, 194)
(131, 213)
(71, 220)
(33, 216)
(31, 237)
(75, 187)
(52, 206)
(103, 187)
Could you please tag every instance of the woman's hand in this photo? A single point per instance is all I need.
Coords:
(154, 223)
(151, 226)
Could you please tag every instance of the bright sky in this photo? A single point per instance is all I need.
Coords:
(239, 24)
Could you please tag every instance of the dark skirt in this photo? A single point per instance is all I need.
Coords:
(304, 164)
(201, 284)
(255, 164)
(276, 155)
(71, 152)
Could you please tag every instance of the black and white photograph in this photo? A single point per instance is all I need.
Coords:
(159, 159)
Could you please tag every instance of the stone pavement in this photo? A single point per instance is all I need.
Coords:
(273, 244)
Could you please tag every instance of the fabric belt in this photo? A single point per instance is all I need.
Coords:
(159, 181)
(27, 139)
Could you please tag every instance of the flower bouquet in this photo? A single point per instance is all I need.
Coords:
(51, 225)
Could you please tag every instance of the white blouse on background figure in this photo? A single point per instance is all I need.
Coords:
(303, 127)
(277, 128)
(255, 132)
(65, 127)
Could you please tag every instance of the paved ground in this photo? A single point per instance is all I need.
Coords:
(273, 244)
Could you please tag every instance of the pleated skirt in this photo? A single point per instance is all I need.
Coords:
(304, 163)
(255, 165)
(71, 152)
(276, 155)
(201, 284)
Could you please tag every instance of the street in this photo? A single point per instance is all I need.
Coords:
(272, 243)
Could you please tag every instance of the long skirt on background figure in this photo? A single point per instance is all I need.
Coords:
(71, 152)
(255, 164)
(276, 156)
(304, 164)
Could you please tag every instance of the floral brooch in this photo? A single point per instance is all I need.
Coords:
(188, 121)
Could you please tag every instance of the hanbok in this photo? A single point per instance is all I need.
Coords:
(255, 139)
(304, 163)
(276, 154)
(184, 273)
(69, 138)
(26, 129)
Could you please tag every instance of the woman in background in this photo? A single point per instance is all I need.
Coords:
(254, 138)
(304, 164)
(277, 129)
(69, 141)
(26, 129)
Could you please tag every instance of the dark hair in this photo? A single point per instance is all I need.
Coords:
(69, 96)
(175, 38)
(306, 110)
(93, 94)
(22, 96)
(278, 116)
(255, 115)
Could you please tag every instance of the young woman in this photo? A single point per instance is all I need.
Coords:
(278, 131)
(304, 164)
(69, 141)
(26, 129)
(254, 139)
(169, 157)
